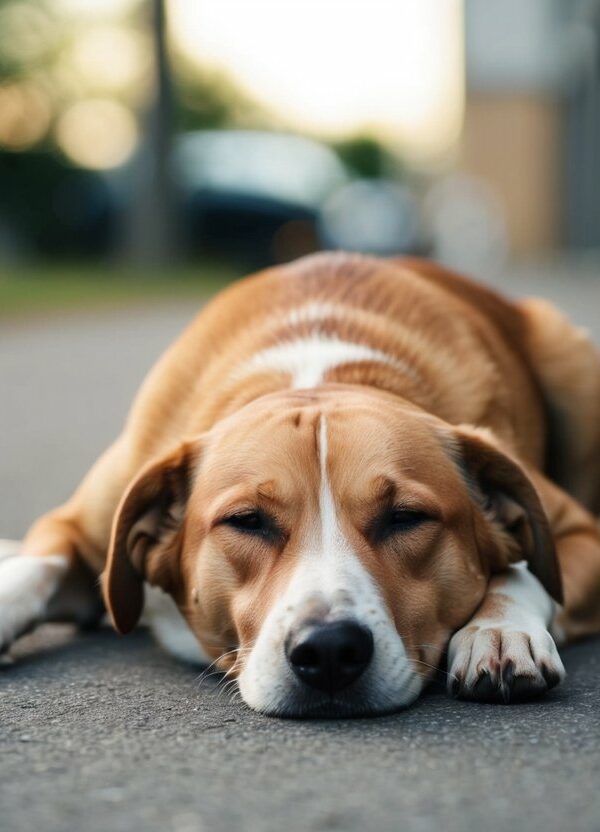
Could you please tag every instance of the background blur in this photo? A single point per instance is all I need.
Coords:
(151, 148)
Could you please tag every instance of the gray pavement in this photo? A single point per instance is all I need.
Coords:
(99, 732)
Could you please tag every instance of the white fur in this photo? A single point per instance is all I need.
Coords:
(315, 312)
(9, 548)
(170, 628)
(524, 627)
(530, 603)
(329, 574)
(308, 359)
(27, 583)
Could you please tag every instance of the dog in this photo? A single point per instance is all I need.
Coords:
(344, 473)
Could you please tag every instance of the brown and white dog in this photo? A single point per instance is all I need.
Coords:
(343, 468)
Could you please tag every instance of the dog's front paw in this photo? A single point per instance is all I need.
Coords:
(501, 663)
(26, 585)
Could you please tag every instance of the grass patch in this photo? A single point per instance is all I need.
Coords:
(36, 290)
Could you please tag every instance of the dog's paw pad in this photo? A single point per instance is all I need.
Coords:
(502, 664)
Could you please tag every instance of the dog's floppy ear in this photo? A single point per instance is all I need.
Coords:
(511, 504)
(146, 535)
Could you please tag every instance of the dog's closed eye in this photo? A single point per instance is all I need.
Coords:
(397, 520)
(255, 522)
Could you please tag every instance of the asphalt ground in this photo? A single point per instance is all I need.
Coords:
(100, 732)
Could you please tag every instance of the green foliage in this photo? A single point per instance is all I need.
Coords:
(27, 35)
(206, 99)
(366, 157)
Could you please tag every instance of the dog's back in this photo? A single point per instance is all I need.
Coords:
(440, 341)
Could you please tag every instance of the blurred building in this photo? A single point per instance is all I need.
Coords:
(532, 117)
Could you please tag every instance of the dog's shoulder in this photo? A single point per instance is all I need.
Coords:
(504, 315)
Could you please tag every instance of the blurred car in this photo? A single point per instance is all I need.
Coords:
(49, 207)
(374, 216)
(249, 196)
(253, 195)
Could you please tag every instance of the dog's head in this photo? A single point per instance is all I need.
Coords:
(326, 544)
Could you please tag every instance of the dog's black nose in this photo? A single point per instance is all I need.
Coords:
(331, 656)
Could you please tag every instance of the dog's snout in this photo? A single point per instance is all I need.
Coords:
(330, 656)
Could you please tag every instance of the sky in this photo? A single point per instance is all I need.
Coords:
(339, 66)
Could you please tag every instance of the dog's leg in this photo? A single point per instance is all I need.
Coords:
(53, 574)
(35, 588)
(506, 652)
(27, 583)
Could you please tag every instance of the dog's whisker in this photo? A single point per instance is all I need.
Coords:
(226, 688)
(208, 676)
(432, 667)
(206, 673)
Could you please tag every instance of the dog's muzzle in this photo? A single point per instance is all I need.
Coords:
(329, 656)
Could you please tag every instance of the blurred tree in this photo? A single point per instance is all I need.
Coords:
(209, 100)
(368, 158)
(30, 40)
(58, 75)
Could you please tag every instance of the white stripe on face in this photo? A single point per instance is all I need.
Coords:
(330, 583)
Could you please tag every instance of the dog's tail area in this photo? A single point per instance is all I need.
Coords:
(566, 364)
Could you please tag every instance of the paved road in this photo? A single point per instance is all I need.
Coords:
(98, 732)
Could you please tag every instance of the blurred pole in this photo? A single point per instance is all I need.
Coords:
(583, 128)
(152, 233)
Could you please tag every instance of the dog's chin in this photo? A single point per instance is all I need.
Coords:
(313, 705)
